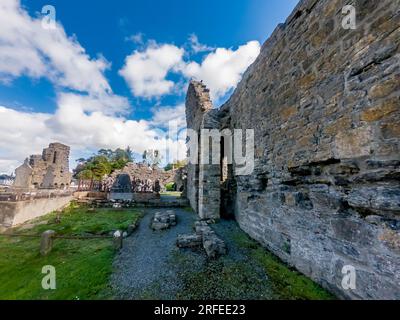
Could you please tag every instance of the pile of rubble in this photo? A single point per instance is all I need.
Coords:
(206, 237)
(163, 220)
(145, 172)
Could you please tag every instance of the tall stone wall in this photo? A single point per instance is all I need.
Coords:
(324, 103)
(203, 189)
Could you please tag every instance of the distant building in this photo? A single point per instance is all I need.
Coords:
(48, 170)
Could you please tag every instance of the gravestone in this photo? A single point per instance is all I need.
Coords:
(46, 243)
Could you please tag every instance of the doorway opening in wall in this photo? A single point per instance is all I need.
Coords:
(227, 183)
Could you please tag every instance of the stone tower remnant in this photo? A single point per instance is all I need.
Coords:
(50, 170)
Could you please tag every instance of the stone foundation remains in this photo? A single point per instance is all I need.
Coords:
(17, 211)
(163, 220)
(205, 237)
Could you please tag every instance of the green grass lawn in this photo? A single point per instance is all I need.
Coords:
(82, 267)
(171, 193)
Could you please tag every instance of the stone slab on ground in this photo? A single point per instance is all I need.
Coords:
(163, 220)
(205, 237)
(213, 245)
(189, 241)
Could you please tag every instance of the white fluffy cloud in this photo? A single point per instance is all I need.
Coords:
(165, 116)
(221, 70)
(136, 38)
(146, 71)
(21, 133)
(26, 48)
(92, 116)
(88, 120)
(28, 133)
(196, 46)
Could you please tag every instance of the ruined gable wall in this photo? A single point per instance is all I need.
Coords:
(23, 176)
(324, 104)
(49, 170)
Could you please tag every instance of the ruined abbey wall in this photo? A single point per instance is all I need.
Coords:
(324, 103)
(48, 170)
(203, 191)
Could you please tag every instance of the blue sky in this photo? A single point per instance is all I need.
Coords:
(114, 72)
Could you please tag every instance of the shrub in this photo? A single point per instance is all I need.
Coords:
(170, 186)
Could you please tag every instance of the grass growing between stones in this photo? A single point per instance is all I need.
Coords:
(287, 283)
(225, 279)
(82, 267)
(248, 272)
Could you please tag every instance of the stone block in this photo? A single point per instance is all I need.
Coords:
(214, 246)
(383, 89)
(157, 226)
(354, 143)
(382, 110)
(189, 241)
(163, 220)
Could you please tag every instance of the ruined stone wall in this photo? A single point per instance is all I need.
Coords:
(197, 103)
(203, 186)
(144, 172)
(13, 213)
(49, 170)
(57, 158)
(324, 103)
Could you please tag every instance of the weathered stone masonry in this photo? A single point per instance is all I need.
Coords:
(324, 103)
(203, 191)
(48, 170)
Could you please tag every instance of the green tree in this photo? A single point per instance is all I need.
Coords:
(175, 165)
(120, 154)
(85, 174)
(102, 164)
(106, 152)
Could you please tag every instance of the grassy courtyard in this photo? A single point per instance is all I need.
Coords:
(82, 267)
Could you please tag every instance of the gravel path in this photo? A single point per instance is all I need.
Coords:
(150, 266)
(142, 269)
